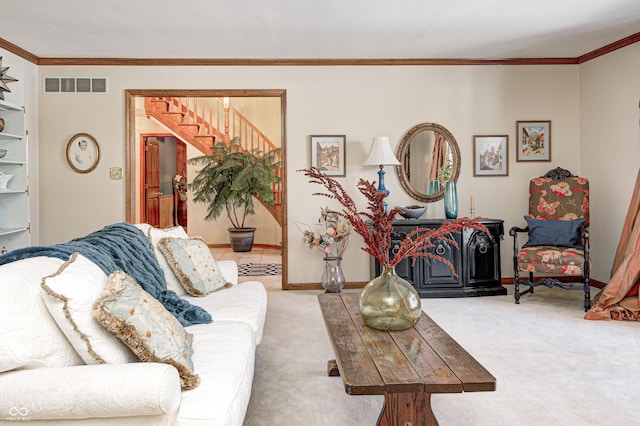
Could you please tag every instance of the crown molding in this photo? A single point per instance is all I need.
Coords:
(634, 38)
(7, 45)
(315, 61)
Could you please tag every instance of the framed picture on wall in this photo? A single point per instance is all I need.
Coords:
(83, 153)
(490, 155)
(328, 154)
(533, 141)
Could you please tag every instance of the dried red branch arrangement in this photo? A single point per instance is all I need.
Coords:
(376, 224)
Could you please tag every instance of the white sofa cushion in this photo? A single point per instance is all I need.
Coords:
(224, 358)
(29, 337)
(192, 262)
(144, 325)
(141, 393)
(245, 302)
(69, 295)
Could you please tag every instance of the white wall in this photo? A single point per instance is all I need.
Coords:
(360, 102)
(593, 108)
(610, 146)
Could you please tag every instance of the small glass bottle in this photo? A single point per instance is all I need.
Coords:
(332, 277)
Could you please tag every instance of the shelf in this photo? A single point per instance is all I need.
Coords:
(10, 136)
(14, 200)
(8, 106)
(9, 231)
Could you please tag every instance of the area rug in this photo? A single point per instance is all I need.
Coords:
(259, 269)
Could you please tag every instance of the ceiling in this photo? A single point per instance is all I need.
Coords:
(297, 29)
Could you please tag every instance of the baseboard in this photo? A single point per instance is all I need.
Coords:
(352, 285)
(317, 286)
(256, 245)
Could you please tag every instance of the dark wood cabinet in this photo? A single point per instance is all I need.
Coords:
(476, 261)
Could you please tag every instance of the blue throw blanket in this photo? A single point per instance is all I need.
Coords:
(121, 246)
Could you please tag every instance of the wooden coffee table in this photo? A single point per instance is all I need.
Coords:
(405, 366)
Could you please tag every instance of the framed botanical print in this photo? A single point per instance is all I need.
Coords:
(533, 140)
(490, 155)
(83, 153)
(328, 154)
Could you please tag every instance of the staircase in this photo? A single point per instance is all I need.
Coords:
(198, 121)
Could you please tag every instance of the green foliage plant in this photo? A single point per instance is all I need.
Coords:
(230, 177)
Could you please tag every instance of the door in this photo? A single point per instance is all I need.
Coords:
(152, 181)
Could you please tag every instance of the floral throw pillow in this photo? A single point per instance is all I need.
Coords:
(193, 264)
(144, 325)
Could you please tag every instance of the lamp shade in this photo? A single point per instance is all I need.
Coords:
(381, 153)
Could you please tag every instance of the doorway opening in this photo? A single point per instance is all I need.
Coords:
(135, 130)
(163, 166)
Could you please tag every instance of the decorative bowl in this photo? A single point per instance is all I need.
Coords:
(3, 152)
(412, 212)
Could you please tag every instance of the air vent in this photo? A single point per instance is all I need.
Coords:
(75, 85)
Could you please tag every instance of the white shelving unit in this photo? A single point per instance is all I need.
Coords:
(15, 229)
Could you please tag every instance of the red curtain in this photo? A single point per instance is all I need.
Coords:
(619, 299)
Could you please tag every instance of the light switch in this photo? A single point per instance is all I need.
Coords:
(115, 173)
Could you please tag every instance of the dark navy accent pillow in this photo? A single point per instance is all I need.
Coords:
(565, 233)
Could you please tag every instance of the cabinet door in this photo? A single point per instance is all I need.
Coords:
(482, 255)
(405, 268)
(438, 274)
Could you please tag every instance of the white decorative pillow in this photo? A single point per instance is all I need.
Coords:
(29, 337)
(69, 295)
(144, 325)
(155, 235)
(193, 264)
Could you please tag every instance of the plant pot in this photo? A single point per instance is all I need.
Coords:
(241, 238)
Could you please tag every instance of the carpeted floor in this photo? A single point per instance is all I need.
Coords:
(552, 366)
(259, 269)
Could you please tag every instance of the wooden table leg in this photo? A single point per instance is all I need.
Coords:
(332, 368)
(407, 409)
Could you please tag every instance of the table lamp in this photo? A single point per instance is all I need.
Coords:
(381, 155)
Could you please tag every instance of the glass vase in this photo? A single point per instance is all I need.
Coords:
(450, 200)
(389, 302)
(332, 277)
(434, 187)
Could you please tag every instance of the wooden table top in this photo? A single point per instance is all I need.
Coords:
(421, 359)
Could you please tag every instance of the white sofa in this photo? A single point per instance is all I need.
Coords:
(43, 380)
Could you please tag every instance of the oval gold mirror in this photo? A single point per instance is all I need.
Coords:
(427, 152)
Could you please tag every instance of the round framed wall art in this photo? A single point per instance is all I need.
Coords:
(83, 153)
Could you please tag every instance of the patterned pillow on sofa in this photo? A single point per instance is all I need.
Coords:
(193, 264)
(144, 325)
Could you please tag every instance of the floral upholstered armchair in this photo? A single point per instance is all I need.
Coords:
(557, 226)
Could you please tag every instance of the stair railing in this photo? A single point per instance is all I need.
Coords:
(213, 118)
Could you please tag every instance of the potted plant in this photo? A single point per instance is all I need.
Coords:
(229, 179)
